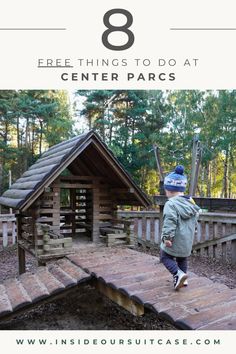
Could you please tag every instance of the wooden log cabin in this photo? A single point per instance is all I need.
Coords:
(71, 193)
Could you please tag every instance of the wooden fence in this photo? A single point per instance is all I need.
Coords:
(215, 235)
(7, 230)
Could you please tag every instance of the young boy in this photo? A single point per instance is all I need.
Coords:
(179, 222)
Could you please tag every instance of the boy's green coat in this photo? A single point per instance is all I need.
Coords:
(179, 222)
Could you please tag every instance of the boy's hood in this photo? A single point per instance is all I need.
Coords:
(185, 205)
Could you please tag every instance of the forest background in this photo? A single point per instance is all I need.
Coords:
(130, 122)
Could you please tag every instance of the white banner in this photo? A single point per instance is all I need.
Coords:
(185, 44)
(35, 342)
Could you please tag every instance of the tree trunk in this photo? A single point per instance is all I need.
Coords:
(40, 137)
(18, 132)
(225, 175)
(126, 133)
(110, 133)
(202, 182)
(143, 176)
(26, 133)
(208, 179)
(231, 167)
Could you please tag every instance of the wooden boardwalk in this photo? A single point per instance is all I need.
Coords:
(134, 280)
(47, 283)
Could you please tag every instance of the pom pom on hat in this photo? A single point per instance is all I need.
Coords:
(179, 170)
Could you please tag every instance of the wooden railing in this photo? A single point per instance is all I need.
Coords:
(215, 235)
(147, 225)
(7, 230)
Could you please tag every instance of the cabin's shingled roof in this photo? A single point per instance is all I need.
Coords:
(51, 163)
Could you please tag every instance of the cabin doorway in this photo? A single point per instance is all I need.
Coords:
(76, 217)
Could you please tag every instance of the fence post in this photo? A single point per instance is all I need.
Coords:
(13, 232)
(4, 234)
(140, 227)
(156, 231)
(233, 252)
(148, 229)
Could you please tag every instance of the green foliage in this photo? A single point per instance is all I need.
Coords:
(132, 121)
(30, 121)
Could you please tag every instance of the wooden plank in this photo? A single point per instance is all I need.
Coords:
(48, 251)
(215, 242)
(76, 186)
(21, 259)
(14, 233)
(7, 217)
(132, 284)
(173, 310)
(156, 231)
(12, 203)
(130, 305)
(17, 193)
(207, 231)
(165, 290)
(5, 305)
(50, 161)
(97, 262)
(47, 211)
(206, 317)
(199, 232)
(44, 257)
(59, 241)
(27, 236)
(34, 177)
(115, 265)
(35, 289)
(80, 178)
(115, 277)
(233, 251)
(112, 258)
(104, 208)
(116, 236)
(17, 295)
(140, 228)
(226, 324)
(27, 228)
(203, 302)
(73, 271)
(27, 220)
(4, 234)
(44, 219)
(116, 243)
(215, 230)
(62, 146)
(55, 154)
(29, 185)
(62, 276)
(52, 284)
(223, 251)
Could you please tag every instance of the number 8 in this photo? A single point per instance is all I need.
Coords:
(124, 28)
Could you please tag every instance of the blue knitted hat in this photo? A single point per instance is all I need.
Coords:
(176, 181)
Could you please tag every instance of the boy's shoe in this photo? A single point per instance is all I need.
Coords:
(185, 283)
(179, 279)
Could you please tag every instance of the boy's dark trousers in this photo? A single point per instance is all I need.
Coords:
(173, 264)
